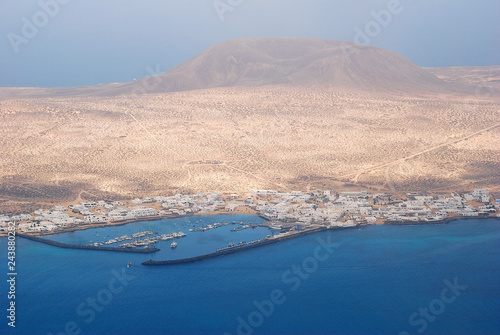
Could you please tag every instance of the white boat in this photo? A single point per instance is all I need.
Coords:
(173, 245)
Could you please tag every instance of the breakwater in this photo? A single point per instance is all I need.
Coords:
(233, 250)
(87, 247)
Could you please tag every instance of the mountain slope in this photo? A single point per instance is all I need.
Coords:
(292, 61)
(277, 61)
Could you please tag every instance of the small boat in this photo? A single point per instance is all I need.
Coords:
(129, 264)
(173, 245)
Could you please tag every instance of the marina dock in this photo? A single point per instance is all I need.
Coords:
(136, 240)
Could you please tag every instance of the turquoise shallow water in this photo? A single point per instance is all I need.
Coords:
(368, 281)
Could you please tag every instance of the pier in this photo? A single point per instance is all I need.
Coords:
(87, 247)
(211, 226)
(237, 248)
(138, 241)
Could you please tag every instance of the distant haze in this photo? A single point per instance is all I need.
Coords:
(289, 61)
(75, 43)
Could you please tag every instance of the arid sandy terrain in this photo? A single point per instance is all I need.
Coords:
(267, 138)
(65, 148)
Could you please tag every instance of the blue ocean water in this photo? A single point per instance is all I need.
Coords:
(445, 278)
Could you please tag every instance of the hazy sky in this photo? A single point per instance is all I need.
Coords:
(88, 42)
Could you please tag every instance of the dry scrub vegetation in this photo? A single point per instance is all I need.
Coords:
(282, 138)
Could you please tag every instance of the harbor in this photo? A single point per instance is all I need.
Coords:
(171, 238)
(233, 248)
(206, 237)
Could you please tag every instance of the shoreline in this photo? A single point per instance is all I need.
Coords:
(176, 216)
(327, 207)
(124, 222)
